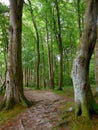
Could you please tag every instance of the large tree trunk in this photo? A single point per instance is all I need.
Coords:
(96, 64)
(79, 17)
(14, 77)
(84, 100)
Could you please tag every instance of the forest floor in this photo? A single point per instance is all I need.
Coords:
(51, 111)
(43, 115)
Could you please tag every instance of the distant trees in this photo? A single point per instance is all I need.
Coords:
(49, 45)
(48, 49)
(60, 44)
(37, 43)
(55, 36)
(84, 100)
(4, 18)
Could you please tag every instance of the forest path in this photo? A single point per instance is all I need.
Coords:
(42, 116)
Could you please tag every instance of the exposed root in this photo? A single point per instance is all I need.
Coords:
(22, 125)
(6, 105)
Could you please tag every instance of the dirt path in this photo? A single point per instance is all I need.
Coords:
(42, 116)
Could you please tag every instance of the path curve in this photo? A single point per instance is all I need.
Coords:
(42, 116)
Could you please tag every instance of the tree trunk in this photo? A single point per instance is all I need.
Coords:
(84, 100)
(37, 45)
(79, 17)
(14, 77)
(96, 64)
(43, 68)
(60, 46)
(52, 67)
(51, 72)
(50, 57)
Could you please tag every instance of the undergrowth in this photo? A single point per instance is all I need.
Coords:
(9, 114)
(83, 124)
(68, 121)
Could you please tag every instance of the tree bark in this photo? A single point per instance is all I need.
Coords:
(37, 45)
(96, 64)
(50, 57)
(60, 46)
(84, 100)
(14, 77)
(79, 18)
(43, 68)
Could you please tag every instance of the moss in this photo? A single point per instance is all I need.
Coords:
(66, 92)
(66, 117)
(94, 108)
(77, 110)
(67, 105)
(68, 120)
(26, 103)
(7, 105)
(85, 110)
(8, 114)
(81, 123)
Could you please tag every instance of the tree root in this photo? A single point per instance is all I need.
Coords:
(6, 105)
(22, 125)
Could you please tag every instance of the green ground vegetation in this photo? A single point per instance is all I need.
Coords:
(5, 116)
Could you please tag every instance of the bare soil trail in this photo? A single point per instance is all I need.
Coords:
(44, 115)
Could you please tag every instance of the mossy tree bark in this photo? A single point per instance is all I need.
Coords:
(96, 64)
(14, 77)
(84, 100)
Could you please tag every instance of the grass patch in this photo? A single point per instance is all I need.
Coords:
(9, 114)
(83, 124)
(68, 105)
(65, 92)
(69, 121)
